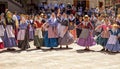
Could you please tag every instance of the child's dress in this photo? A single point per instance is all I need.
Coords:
(113, 44)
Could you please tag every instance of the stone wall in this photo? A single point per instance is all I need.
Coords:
(13, 7)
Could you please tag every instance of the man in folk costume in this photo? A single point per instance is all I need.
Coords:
(38, 37)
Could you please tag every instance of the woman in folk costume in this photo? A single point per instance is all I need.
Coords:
(113, 44)
(23, 38)
(31, 27)
(2, 30)
(52, 31)
(86, 37)
(9, 36)
(65, 37)
(72, 21)
(103, 37)
(38, 37)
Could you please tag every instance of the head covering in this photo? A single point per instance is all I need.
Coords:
(86, 16)
(115, 26)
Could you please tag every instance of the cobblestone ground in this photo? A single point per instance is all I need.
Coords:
(72, 58)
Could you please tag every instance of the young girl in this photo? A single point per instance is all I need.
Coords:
(103, 37)
(86, 38)
(23, 38)
(113, 44)
(65, 37)
(9, 36)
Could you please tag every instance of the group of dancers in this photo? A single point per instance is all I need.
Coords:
(58, 30)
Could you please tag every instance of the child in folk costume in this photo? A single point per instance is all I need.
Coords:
(65, 37)
(9, 36)
(52, 31)
(113, 44)
(38, 37)
(103, 37)
(72, 21)
(86, 38)
(23, 38)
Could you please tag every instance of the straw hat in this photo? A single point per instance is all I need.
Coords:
(86, 16)
(115, 26)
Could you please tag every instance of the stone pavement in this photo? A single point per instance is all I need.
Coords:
(72, 58)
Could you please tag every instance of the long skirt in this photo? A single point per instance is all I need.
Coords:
(67, 39)
(38, 38)
(113, 47)
(23, 42)
(9, 37)
(89, 41)
(31, 35)
(101, 41)
(50, 42)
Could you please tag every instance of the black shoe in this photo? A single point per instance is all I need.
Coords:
(13, 49)
(60, 47)
(67, 46)
(51, 48)
(8, 49)
(38, 48)
(103, 49)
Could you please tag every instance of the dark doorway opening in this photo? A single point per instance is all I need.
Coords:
(2, 8)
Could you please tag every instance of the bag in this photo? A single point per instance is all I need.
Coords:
(71, 26)
(84, 34)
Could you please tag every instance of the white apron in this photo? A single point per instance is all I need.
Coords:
(21, 35)
(9, 30)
